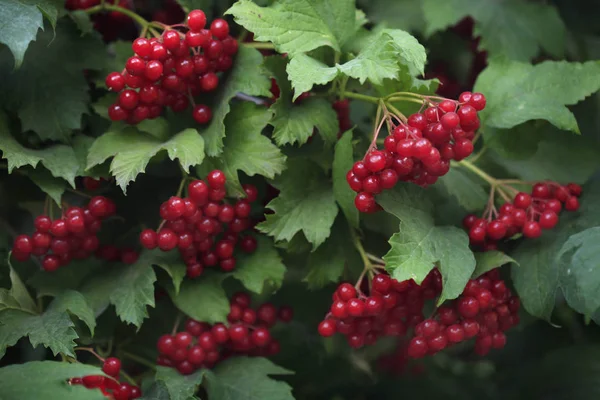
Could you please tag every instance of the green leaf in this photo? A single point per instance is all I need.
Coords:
(517, 92)
(246, 149)
(579, 277)
(298, 26)
(516, 29)
(247, 76)
(326, 264)
(52, 329)
(402, 14)
(262, 266)
(59, 159)
(180, 387)
(20, 21)
(295, 123)
(83, 21)
(18, 294)
(53, 187)
(49, 92)
(47, 380)
(129, 287)
(68, 277)
(243, 378)
(132, 151)
(490, 260)
(342, 163)
(75, 303)
(203, 299)
(381, 58)
(536, 151)
(468, 191)
(305, 203)
(419, 243)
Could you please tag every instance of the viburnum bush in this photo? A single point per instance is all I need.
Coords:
(309, 199)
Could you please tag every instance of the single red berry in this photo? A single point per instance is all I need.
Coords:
(112, 366)
(572, 204)
(261, 337)
(115, 81)
(417, 348)
(548, 219)
(196, 20)
(355, 307)
(540, 191)
(219, 28)
(166, 345)
(209, 81)
(142, 47)
(437, 342)
(346, 291)
(285, 314)
(468, 307)
(522, 200)
(202, 113)
(327, 328)
(167, 239)
(532, 230)
(171, 39)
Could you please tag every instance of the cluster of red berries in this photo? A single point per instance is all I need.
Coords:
(204, 227)
(418, 151)
(391, 308)
(73, 236)
(170, 70)
(202, 345)
(110, 387)
(527, 214)
(484, 310)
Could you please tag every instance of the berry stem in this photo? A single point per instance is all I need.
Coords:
(363, 97)
(110, 7)
(477, 171)
(139, 360)
(260, 45)
(128, 377)
(375, 259)
(77, 192)
(91, 351)
(359, 247)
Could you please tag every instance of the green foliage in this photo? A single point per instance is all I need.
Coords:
(47, 379)
(305, 192)
(517, 92)
(247, 379)
(49, 92)
(203, 299)
(294, 123)
(21, 20)
(179, 387)
(246, 149)
(260, 268)
(490, 260)
(420, 243)
(342, 163)
(247, 76)
(132, 150)
(516, 29)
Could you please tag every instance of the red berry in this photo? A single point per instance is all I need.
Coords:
(364, 202)
(468, 307)
(522, 200)
(115, 81)
(356, 307)
(171, 39)
(196, 20)
(572, 204)
(209, 81)
(202, 113)
(532, 230)
(327, 328)
(455, 333)
(167, 239)
(142, 47)
(112, 366)
(346, 291)
(548, 220)
(219, 28)
(261, 337)
(417, 348)
(375, 161)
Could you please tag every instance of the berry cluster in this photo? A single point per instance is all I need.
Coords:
(391, 308)
(527, 214)
(202, 345)
(73, 236)
(484, 310)
(110, 387)
(204, 227)
(418, 151)
(170, 70)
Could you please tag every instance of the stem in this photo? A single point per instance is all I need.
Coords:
(139, 360)
(478, 171)
(397, 112)
(359, 247)
(77, 192)
(176, 323)
(261, 46)
(477, 156)
(375, 259)
(407, 99)
(90, 350)
(477, 136)
(363, 97)
(110, 7)
(128, 378)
